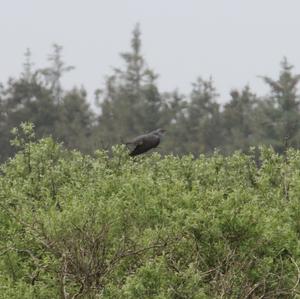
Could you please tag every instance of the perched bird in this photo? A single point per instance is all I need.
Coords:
(144, 143)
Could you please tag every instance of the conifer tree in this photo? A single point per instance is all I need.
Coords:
(55, 71)
(237, 122)
(75, 121)
(130, 101)
(202, 123)
(278, 119)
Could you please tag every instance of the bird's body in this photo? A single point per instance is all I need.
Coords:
(144, 143)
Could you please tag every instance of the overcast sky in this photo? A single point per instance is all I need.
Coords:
(234, 41)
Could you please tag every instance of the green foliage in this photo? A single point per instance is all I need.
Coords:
(203, 118)
(75, 226)
(238, 121)
(278, 116)
(75, 121)
(37, 96)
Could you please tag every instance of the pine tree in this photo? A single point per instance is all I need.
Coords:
(202, 123)
(27, 73)
(130, 102)
(55, 71)
(237, 122)
(75, 121)
(174, 119)
(278, 119)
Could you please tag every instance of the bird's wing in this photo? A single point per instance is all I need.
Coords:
(136, 141)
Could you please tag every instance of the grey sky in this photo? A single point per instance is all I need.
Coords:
(232, 40)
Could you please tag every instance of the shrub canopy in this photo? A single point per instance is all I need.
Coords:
(76, 226)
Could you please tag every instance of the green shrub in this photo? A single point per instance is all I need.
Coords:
(75, 226)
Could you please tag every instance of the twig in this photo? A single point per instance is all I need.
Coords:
(79, 292)
(252, 290)
(298, 276)
(63, 279)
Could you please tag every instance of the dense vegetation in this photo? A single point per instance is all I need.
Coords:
(130, 103)
(109, 226)
(81, 219)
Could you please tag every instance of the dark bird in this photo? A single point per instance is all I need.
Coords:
(144, 143)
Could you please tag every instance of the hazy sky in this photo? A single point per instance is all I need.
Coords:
(232, 40)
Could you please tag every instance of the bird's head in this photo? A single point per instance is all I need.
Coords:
(160, 132)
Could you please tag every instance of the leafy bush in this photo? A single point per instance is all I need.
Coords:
(75, 226)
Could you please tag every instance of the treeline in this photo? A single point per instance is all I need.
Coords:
(131, 103)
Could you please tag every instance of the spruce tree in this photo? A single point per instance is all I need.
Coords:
(202, 122)
(237, 121)
(278, 121)
(130, 102)
(75, 121)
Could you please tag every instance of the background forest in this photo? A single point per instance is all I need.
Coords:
(130, 103)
